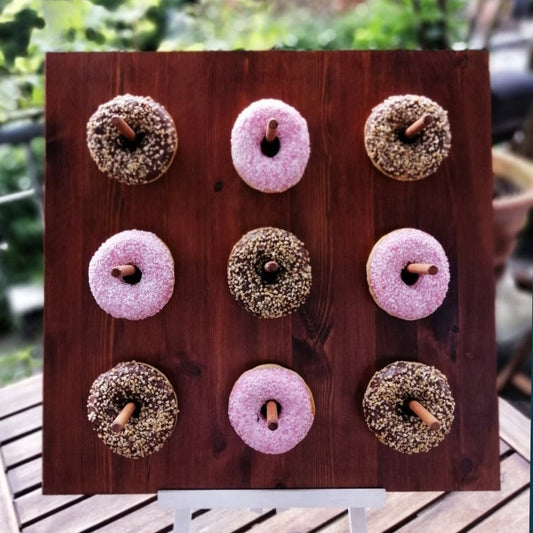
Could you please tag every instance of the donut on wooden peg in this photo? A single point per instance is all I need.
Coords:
(269, 272)
(271, 408)
(132, 139)
(408, 273)
(133, 408)
(409, 406)
(270, 145)
(131, 275)
(408, 137)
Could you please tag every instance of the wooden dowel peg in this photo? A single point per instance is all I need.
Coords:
(122, 418)
(422, 268)
(424, 415)
(272, 415)
(416, 127)
(271, 266)
(122, 270)
(271, 130)
(123, 128)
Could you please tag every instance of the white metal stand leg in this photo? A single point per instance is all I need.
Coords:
(357, 517)
(182, 520)
(182, 501)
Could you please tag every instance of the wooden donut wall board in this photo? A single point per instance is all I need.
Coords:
(203, 340)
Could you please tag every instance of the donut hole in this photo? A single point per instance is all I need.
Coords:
(266, 276)
(134, 278)
(270, 149)
(129, 145)
(137, 411)
(408, 277)
(404, 411)
(408, 140)
(264, 408)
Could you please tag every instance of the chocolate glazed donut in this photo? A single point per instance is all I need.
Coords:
(269, 272)
(391, 406)
(132, 139)
(407, 137)
(152, 417)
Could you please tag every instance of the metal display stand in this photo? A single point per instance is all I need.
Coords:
(356, 500)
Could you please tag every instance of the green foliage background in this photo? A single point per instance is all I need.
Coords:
(30, 28)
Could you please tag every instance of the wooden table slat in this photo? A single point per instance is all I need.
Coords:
(148, 519)
(21, 395)
(225, 521)
(21, 423)
(398, 507)
(86, 514)
(515, 429)
(513, 517)
(8, 517)
(152, 518)
(33, 506)
(456, 511)
(29, 447)
(298, 520)
(26, 476)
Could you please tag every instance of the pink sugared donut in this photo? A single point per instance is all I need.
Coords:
(250, 394)
(404, 295)
(136, 296)
(281, 169)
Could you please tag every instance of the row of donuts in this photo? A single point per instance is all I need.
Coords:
(131, 275)
(134, 408)
(133, 139)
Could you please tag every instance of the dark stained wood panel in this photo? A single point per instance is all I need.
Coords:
(202, 340)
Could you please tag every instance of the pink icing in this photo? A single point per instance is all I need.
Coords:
(390, 255)
(151, 256)
(285, 169)
(252, 390)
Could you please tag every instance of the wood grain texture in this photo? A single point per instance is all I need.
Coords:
(8, 518)
(512, 517)
(458, 514)
(202, 340)
(515, 429)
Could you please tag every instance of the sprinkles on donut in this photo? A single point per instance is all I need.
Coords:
(270, 145)
(131, 275)
(152, 418)
(408, 273)
(390, 401)
(267, 385)
(407, 137)
(269, 272)
(132, 139)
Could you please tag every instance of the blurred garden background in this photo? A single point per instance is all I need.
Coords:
(30, 28)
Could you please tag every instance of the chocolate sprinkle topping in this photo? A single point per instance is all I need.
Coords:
(386, 397)
(132, 162)
(407, 160)
(269, 295)
(155, 416)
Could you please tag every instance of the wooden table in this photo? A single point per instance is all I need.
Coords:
(203, 340)
(22, 504)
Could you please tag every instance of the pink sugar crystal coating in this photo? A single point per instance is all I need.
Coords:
(261, 172)
(145, 298)
(390, 255)
(259, 385)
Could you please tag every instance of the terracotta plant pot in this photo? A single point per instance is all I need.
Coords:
(510, 211)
